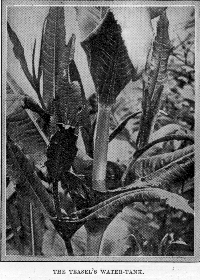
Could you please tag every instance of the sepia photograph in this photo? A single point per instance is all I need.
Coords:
(98, 132)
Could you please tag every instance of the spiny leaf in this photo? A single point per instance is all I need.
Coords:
(108, 60)
(147, 165)
(110, 207)
(153, 87)
(177, 171)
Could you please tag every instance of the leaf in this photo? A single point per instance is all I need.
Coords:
(84, 120)
(32, 223)
(138, 44)
(179, 169)
(154, 84)
(26, 133)
(61, 152)
(147, 165)
(22, 173)
(108, 60)
(53, 46)
(121, 126)
(89, 18)
(77, 189)
(19, 54)
(53, 244)
(127, 103)
(61, 95)
(127, 233)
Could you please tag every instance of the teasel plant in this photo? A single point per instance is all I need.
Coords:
(154, 79)
(116, 54)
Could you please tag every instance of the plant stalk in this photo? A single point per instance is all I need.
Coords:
(101, 148)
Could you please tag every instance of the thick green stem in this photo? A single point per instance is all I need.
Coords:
(101, 148)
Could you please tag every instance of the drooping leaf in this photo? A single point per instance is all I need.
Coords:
(61, 152)
(154, 84)
(108, 60)
(111, 206)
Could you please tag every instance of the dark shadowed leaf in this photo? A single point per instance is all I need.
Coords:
(77, 189)
(108, 60)
(61, 152)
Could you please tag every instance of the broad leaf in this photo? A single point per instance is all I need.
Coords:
(108, 60)
(129, 231)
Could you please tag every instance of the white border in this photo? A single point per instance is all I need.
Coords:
(197, 149)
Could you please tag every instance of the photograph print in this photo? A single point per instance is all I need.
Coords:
(100, 104)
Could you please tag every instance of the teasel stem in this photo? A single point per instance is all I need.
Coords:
(101, 147)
